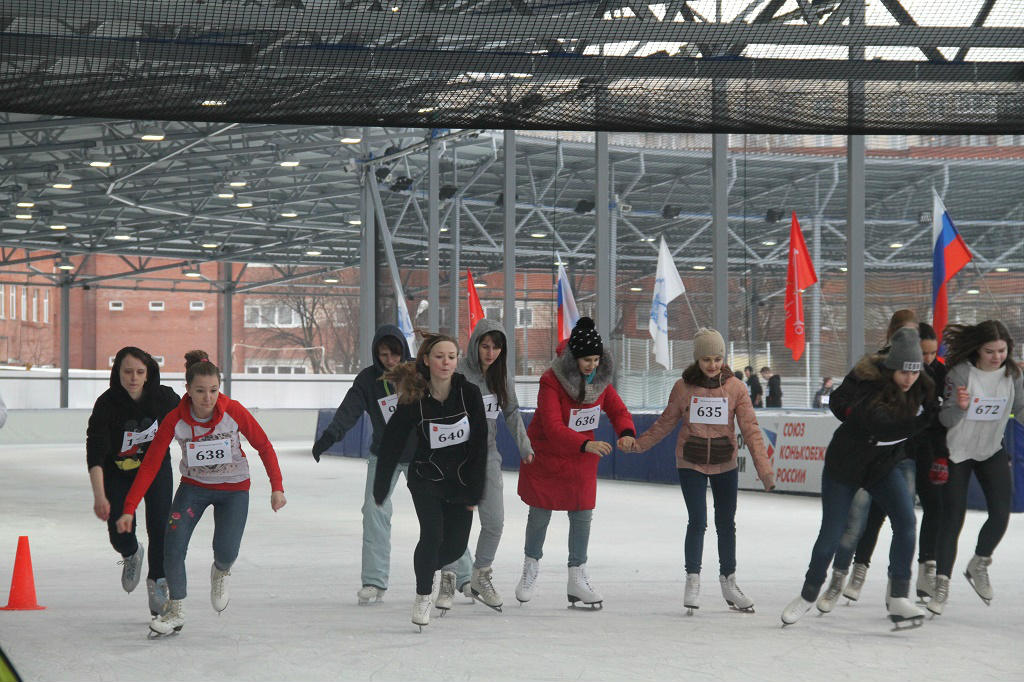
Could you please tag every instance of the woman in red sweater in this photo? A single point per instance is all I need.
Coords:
(214, 472)
(562, 474)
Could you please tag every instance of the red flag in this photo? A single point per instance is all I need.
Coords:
(799, 276)
(476, 311)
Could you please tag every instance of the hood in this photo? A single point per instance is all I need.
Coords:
(868, 368)
(393, 331)
(152, 372)
(568, 375)
(472, 356)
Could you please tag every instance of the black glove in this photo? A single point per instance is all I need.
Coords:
(320, 446)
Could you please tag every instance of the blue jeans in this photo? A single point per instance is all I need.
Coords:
(377, 528)
(579, 534)
(836, 498)
(856, 521)
(723, 490)
(230, 510)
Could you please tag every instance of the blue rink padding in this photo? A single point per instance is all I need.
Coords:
(657, 465)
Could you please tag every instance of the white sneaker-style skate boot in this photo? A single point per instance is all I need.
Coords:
(131, 570)
(856, 584)
(827, 601)
(795, 610)
(170, 620)
(691, 594)
(938, 602)
(158, 595)
(528, 581)
(580, 589)
(421, 610)
(734, 596)
(904, 613)
(925, 580)
(977, 576)
(370, 594)
(219, 596)
(446, 593)
(481, 587)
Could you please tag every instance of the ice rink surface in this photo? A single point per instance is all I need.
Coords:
(293, 613)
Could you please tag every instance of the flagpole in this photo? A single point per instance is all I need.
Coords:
(695, 323)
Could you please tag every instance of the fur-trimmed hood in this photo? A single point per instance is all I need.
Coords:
(568, 374)
(869, 367)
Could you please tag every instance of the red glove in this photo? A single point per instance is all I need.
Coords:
(939, 472)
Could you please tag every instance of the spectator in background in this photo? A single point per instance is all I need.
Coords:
(739, 375)
(774, 381)
(754, 389)
(821, 398)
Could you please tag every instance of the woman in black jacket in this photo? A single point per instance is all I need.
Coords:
(893, 402)
(445, 412)
(123, 422)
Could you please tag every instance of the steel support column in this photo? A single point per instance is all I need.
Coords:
(65, 338)
(854, 248)
(720, 232)
(226, 328)
(509, 265)
(453, 279)
(367, 263)
(604, 293)
(433, 237)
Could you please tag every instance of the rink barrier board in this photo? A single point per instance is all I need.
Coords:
(796, 441)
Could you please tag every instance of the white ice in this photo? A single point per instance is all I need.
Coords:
(293, 612)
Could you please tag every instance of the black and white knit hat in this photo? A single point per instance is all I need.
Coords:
(584, 339)
(904, 351)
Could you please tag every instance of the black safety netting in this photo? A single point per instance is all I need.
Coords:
(775, 65)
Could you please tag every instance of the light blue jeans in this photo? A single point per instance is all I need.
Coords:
(579, 534)
(858, 516)
(492, 522)
(230, 511)
(377, 528)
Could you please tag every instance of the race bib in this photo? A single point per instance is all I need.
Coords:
(491, 406)
(824, 400)
(585, 419)
(446, 435)
(388, 405)
(986, 409)
(133, 438)
(704, 410)
(208, 453)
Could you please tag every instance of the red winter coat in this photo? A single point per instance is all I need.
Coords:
(562, 476)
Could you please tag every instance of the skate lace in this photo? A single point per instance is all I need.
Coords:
(486, 586)
(129, 567)
(860, 573)
(736, 589)
(941, 591)
(834, 588)
(585, 579)
(218, 582)
(172, 611)
(529, 576)
(447, 583)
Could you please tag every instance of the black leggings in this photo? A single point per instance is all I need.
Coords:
(994, 477)
(444, 535)
(158, 509)
(930, 496)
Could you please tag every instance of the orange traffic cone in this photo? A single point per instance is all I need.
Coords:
(23, 585)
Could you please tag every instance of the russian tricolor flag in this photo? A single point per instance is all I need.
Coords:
(948, 258)
(568, 315)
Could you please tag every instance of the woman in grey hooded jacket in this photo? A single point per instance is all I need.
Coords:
(484, 365)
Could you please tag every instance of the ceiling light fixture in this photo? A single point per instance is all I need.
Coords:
(1002, 269)
(896, 245)
(210, 245)
(700, 267)
(58, 227)
(64, 263)
(636, 288)
(23, 216)
(25, 204)
(152, 134)
(62, 182)
(350, 139)
(213, 102)
(313, 252)
(289, 214)
(330, 280)
(244, 204)
(355, 221)
(538, 235)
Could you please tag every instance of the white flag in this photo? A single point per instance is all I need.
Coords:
(667, 286)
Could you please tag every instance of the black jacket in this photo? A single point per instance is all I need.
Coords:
(854, 456)
(115, 414)
(454, 473)
(366, 390)
(926, 446)
(755, 391)
(774, 398)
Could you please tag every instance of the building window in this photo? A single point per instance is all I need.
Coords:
(524, 317)
(24, 304)
(274, 369)
(197, 305)
(270, 315)
(156, 306)
(115, 305)
(110, 360)
(35, 305)
(46, 306)
(493, 313)
(159, 360)
(14, 302)
(643, 317)
(2, 301)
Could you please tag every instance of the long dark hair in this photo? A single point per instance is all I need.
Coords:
(496, 375)
(904, 404)
(694, 375)
(964, 340)
(410, 378)
(152, 369)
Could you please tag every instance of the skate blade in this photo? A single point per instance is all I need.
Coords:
(581, 605)
(690, 609)
(476, 597)
(899, 623)
(988, 601)
(153, 634)
(733, 607)
(442, 612)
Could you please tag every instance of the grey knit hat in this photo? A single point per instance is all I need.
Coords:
(707, 343)
(584, 339)
(904, 351)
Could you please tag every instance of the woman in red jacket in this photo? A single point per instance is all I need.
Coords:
(562, 475)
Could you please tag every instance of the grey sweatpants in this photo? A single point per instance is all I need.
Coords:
(492, 522)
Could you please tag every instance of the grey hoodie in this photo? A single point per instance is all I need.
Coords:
(469, 365)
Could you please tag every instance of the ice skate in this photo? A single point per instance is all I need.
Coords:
(219, 588)
(131, 570)
(370, 594)
(466, 589)
(905, 614)
(170, 620)
(158, 595)
(827, 601)
(528, 581)
(446, 593)
(734, 596)
(938, 602)
(977, 576)
(482, 589)
(856, 584)
(795, 610)
(925, 580)
(888, 593)
(421, 610)
(691, 594)
(579, 588)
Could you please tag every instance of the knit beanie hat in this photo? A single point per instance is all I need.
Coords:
(904, 351)
(584, 339)
(707, 343)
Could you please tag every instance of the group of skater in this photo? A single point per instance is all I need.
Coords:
(909, 422)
